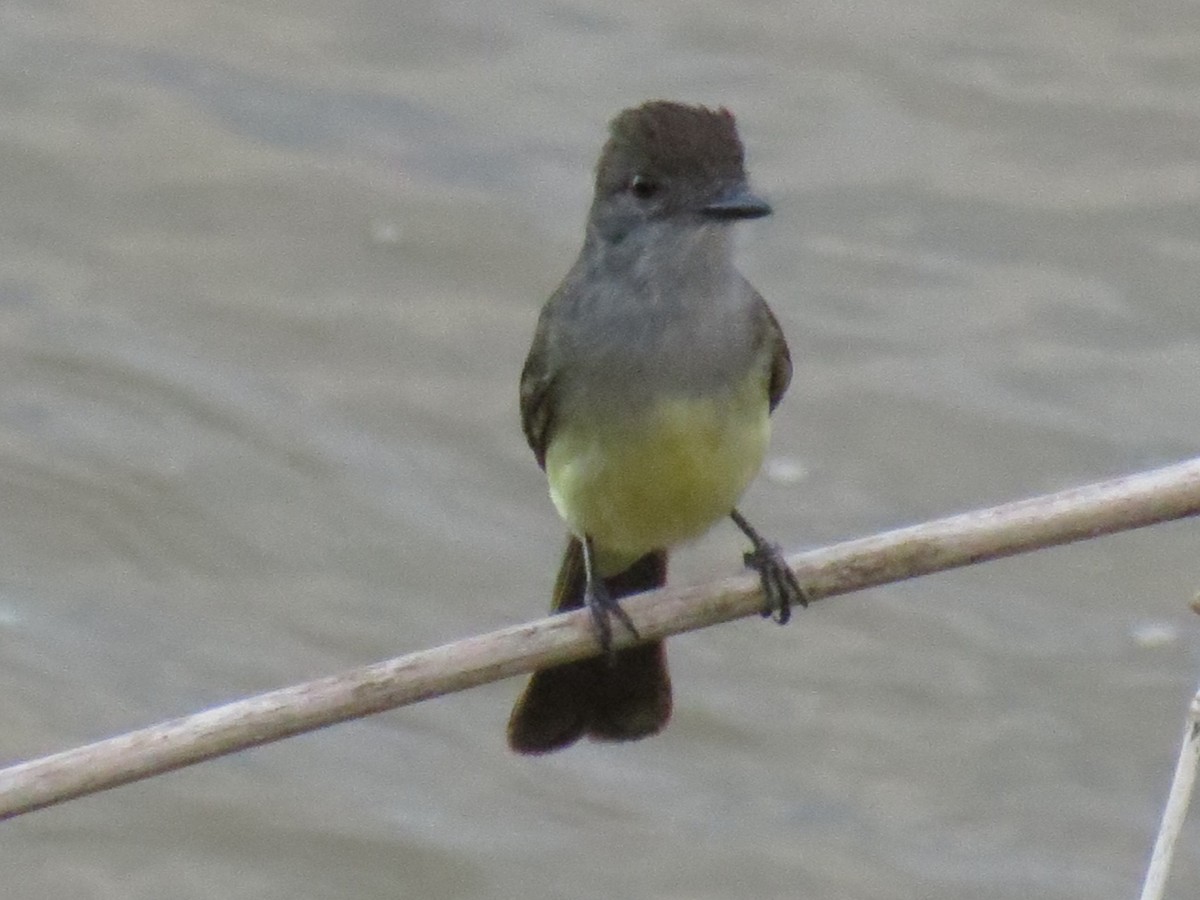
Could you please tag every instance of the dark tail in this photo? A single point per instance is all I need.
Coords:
(621, 697)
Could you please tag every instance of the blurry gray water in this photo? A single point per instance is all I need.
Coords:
(268, 275)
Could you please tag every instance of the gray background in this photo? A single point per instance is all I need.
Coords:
(268, 275)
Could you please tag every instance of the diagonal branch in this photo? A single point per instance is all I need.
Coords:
(1103, 508)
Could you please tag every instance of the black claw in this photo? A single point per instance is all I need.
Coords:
(599, 612)
(780, 588)
(603, 606)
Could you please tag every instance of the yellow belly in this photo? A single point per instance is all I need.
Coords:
(665, 477)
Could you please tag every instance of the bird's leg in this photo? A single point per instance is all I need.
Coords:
(779, 584)
(601, 603)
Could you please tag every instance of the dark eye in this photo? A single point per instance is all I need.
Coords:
(643, 187)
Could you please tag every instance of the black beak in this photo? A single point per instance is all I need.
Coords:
(737, 203)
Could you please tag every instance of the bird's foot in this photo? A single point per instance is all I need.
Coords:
(604, 607)
(780, 587)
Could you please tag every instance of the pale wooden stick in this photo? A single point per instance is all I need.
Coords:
(1124, 503)
(1176, 809)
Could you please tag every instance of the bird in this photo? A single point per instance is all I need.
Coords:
(646, 398)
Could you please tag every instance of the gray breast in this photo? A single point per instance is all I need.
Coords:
(631, 346)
